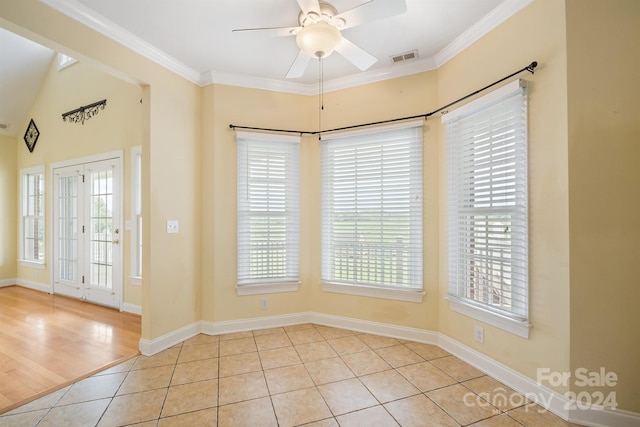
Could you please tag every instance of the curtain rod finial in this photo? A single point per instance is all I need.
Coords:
(532, 66)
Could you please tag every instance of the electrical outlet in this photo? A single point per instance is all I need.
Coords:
(478, 333)
(173, 227)
(264, 304)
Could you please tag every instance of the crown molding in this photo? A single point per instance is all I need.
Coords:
(258, 83)
(361, 78)
(104, 26)
(497, 16)
(391, 72)
(86, 16)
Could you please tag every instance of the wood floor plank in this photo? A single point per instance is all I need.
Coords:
(49, 341)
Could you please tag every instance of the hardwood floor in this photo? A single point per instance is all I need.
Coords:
(49, 341)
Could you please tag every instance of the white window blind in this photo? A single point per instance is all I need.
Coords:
(136, 204)
(372, 209)
(487, 196)
(268, 208)
(33, 248)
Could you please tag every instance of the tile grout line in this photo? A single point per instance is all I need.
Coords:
(324, 339)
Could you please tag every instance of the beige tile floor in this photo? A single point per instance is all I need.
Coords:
(300, 375)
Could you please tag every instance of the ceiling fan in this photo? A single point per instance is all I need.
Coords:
(320, 27)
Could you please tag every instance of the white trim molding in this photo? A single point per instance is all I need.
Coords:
(156, 345)
(267, 288)
(32, 264)
(549, 399)
(516, 327)
(497, 16)
(252, 324)
(8, 282)
(413, 295)
(131, 308)
(81, 13)
(42, 287)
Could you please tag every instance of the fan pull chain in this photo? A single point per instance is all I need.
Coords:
(321, 94)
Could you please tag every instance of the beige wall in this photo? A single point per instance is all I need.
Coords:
(189, 175)
(511, 46)
(9, 208)
(117, 127)
(171, 145)
(406, 96)
(226, 105)
(604, 202)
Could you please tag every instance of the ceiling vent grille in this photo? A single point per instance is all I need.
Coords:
(407, 56)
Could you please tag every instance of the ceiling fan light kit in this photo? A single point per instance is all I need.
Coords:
(319, 39)
(319, 31)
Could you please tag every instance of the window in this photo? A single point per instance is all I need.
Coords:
(136, 210)
(372, 212)
(268, 213)
(65, 61)
(487, 195)
(32, 225)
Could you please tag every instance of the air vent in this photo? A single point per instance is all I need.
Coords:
(407, 56)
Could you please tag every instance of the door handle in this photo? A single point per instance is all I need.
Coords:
(115, 242)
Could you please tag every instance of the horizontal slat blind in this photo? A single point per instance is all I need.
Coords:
(488, 231)
(33, 217)
(268, 210)
(372, 209)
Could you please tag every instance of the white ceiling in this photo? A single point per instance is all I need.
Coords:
(23, 66)
(194, 38)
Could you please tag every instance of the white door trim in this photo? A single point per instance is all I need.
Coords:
(119, 155)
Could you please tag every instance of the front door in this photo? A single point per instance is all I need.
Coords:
(87, 233)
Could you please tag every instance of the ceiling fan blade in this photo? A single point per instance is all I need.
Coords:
(272, 31)
(299, 65)
(356, 55)
(372, 11)
(309, 6)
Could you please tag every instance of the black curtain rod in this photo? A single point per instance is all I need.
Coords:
(530, 68)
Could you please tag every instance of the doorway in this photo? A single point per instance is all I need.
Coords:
(87, 234)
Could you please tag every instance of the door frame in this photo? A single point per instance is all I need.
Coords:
(118, 154)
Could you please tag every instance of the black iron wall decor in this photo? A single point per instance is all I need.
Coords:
(31, 135)
(85, 112)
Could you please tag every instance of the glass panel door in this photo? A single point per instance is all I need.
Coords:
(67, 279)
(103, 234)
(87, 234)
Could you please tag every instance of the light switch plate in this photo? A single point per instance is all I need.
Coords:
(173, 226)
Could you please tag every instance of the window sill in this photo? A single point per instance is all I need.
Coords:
(33, 264)
(371, 291)
(516, 327)
(267, 288)
(136, 280)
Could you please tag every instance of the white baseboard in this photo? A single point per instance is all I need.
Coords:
(252, 324)
(131, 308)
(543, 396)
(601, 417)
(151, 347)
(376, 328)
(547, 398)
(8, 282)
(42, 287)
